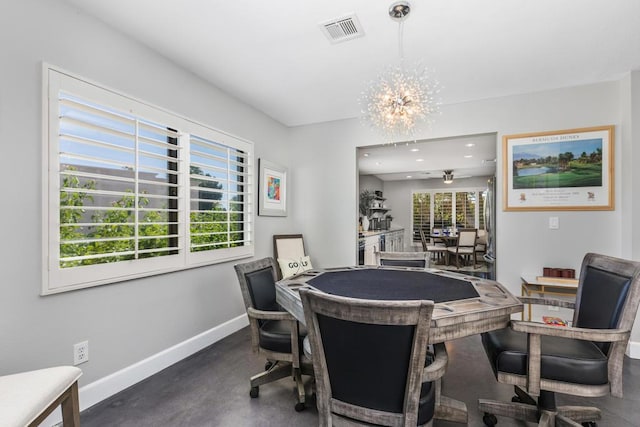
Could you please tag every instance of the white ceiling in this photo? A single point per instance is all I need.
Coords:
(466, 156)
(273, 56)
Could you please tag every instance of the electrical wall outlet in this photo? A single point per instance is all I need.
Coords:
(553, 308)
(81, 352)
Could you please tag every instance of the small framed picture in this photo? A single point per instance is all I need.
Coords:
(559, 170)
(272, 189)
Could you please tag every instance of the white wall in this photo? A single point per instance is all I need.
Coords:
(128, 321)
(371, 183)
(524, 242)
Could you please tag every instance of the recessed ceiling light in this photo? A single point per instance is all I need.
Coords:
(409, 176)
(415, 149)
(419, 160)
(468, 156)
(366, 154)
(471, 144)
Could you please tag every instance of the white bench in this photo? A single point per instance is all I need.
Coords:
(27, 398)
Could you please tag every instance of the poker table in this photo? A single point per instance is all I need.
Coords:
(464, 305)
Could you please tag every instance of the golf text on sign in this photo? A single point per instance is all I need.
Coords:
(295, 264)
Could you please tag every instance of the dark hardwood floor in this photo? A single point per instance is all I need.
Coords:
(211, 388)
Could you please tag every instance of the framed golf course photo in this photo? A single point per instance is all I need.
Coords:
(559, 170)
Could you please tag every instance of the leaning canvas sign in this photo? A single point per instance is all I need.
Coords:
(559, 170)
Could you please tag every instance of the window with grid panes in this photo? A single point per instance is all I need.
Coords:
(133, 190)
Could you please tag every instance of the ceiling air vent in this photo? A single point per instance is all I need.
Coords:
(342, 29)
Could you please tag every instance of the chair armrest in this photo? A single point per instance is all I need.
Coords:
(254, 315)
(535, 331)
(548, 301)
(598, 335)
(436, 369)
(269, 315)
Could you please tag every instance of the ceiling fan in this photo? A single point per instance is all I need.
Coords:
(447, 175)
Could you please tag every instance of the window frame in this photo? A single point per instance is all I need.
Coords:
(56, 279)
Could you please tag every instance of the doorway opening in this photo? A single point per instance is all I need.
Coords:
(434, 184)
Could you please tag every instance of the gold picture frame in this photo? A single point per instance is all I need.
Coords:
(560, 170)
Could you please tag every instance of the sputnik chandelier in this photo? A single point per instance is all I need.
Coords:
(400, 99)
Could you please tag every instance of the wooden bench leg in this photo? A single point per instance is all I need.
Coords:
(71, 407)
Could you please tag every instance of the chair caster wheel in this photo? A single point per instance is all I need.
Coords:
(489, 420)
(516, 399)
(268, 365)
(299, 407)
(590, 424)
(254, 392)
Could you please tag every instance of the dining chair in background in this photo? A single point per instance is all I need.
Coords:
(465, 246)
(435, 249)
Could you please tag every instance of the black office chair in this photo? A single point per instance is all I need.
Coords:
(584, 359)
(274, 332)
(369, 360)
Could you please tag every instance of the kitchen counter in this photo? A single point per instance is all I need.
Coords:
(370, 242)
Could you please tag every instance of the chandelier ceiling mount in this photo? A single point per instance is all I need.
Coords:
(399, 11)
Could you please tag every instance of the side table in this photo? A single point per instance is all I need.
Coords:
(546, 286)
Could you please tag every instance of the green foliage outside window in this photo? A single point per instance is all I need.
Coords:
(110, 235)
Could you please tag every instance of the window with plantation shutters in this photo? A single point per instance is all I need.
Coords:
(442, 210)
(481, 206)
(118, 185)
(421, 215)
(466, 209)
(133, 190)
(218, 184)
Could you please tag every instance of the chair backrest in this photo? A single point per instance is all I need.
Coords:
(403, 259)
(608, 295)
(257, 283)
(481, 239)
(423, 240)
(368, 356)
(467, 237)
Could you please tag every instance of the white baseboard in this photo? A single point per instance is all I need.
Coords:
(633, 350)
(103, 388)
